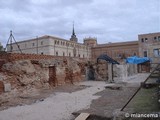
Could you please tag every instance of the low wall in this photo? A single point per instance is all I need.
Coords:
(23, 56)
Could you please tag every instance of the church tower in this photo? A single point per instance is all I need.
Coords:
(73, 36)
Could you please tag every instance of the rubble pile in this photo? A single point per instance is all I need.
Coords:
(28, 75)
(23, 74)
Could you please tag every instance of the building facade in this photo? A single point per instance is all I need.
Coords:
(149, 45)
(50, 45)
(117, 51)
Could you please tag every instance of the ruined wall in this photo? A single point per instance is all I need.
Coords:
(102, 70)
(26, 74)
(124, 70)
(18, 56)
(24, 56)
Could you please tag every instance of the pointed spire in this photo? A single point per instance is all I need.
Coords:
(73, 33)
(73, 36)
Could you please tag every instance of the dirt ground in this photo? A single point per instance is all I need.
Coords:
(37, 96)
(98, 98)
(110, 100)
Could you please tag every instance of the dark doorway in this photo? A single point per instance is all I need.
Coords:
(1, 87)
(91, 73)
(52, 76)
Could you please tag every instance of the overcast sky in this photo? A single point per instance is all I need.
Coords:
(108, 20)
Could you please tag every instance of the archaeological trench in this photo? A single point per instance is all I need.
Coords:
(22, 75)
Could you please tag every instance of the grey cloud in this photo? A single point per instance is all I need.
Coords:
(107, 20)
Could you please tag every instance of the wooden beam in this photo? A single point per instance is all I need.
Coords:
(83, 116)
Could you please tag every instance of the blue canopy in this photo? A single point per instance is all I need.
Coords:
(137, 60)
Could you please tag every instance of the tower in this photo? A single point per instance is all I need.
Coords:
(90, 41)
(73, 36)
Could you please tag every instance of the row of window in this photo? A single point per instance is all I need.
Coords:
(157, 38)
(124, 55)
(144, 39)
(21, 46)
(33, 44)
(57, 42)
(79, 55)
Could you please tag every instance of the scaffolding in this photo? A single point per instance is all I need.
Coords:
(10, 41)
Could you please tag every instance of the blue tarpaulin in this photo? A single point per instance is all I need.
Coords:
(137, 60)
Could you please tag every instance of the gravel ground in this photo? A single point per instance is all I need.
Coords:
(87, 96)
(59, 106)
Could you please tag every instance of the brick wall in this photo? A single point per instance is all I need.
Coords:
(18, 56)
(117, 51)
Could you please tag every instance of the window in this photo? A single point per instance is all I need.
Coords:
(145, 53)
(63, 53)
(66, 44)
(142, 40)
(83, 55)
(41, 42)
(33, 44)
(41, 53)
(69, 54)
(155, 38)
(134, 54)
(156, 52)
(146, 39)
(56, 53)
(158, 38)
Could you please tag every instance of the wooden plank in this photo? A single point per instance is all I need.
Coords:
(83, 116)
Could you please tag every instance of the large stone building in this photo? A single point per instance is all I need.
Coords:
(51, 45)
(147, 45)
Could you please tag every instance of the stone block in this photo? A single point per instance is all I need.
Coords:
(7, 87)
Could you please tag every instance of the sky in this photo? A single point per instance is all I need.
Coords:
(107, 20)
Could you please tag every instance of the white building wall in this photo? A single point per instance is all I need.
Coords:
(50, 46)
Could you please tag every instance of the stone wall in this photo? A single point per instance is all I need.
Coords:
(124, 70)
